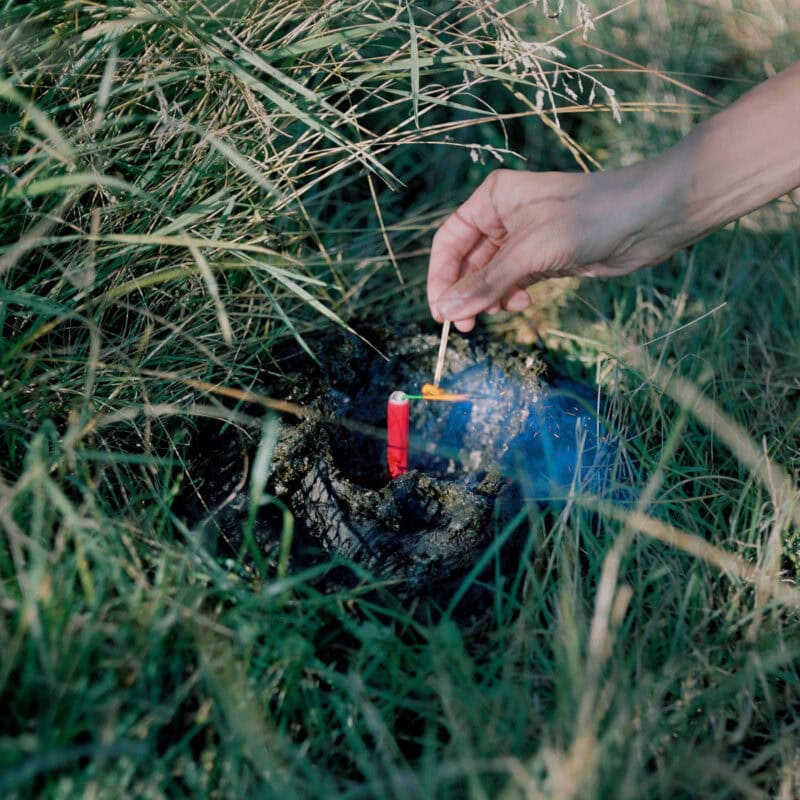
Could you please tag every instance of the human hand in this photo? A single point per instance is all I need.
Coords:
(521, 227)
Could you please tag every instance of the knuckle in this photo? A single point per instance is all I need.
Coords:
(498, 176)
(492, 179)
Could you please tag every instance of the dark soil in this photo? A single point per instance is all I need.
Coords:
(525, 438)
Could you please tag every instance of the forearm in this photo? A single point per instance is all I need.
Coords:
(743, 157)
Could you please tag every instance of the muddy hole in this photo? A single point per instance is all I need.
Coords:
(518, 438)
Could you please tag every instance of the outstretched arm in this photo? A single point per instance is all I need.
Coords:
(521, 227)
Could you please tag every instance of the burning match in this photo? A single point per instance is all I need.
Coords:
(430, 391)
(437, 373)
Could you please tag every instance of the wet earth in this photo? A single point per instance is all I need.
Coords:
(524, 438)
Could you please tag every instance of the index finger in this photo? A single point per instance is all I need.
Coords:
(453, 242)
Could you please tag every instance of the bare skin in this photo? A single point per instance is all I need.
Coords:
(520, 227)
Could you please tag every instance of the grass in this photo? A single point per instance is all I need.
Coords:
(184, 186)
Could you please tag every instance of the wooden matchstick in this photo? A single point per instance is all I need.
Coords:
(437, 375)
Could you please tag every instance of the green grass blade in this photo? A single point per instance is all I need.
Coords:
(414, 50)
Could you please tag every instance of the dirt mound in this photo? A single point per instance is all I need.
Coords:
(523, 436)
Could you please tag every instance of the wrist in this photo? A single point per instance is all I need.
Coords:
(639, 209)
(670, 221)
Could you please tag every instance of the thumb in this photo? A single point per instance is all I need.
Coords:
(482, 288)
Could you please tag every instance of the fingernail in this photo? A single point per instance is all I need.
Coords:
(449, 305)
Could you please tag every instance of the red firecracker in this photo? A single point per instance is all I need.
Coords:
(397, 434)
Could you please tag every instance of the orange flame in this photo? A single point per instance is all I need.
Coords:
(432, 392)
